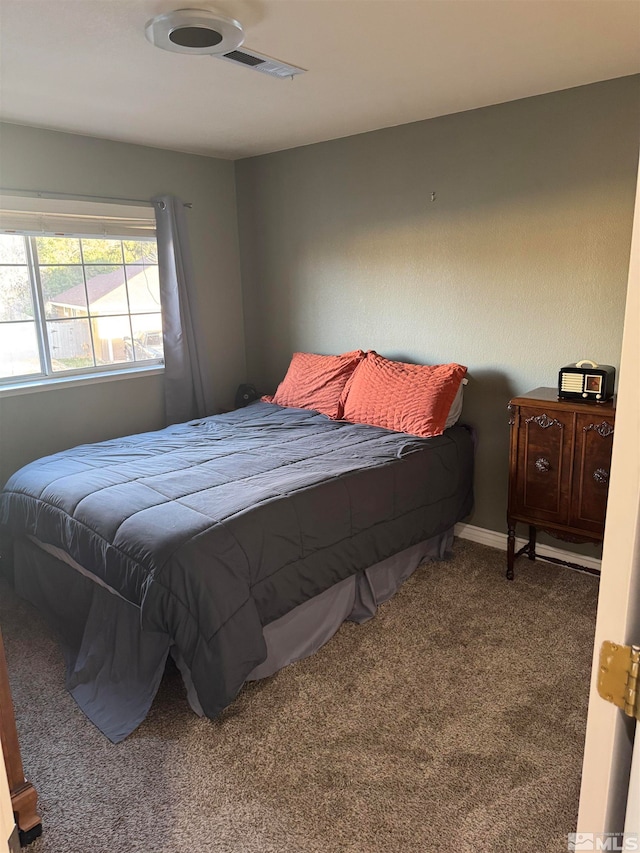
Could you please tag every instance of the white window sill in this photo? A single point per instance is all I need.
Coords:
(50, 384)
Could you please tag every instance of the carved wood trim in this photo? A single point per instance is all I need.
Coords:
(604, 429)
(544, 421)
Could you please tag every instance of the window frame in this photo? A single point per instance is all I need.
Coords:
(47, 377)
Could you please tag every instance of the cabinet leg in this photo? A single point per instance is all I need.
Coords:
(531, 551)
(27, 838)
(24, 804)
(511, 550)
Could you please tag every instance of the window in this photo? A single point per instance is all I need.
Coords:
(76, 305)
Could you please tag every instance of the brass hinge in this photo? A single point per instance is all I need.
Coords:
(618, 673)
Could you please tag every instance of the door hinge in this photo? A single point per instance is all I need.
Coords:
(618, 672)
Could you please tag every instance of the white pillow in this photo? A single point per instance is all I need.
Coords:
(456, 407)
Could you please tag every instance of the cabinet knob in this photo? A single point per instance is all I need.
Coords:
(601, 476)
(543, 465)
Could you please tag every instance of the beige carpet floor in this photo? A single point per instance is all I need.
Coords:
(453, 721)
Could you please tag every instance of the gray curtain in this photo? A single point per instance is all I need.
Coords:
(184, 385)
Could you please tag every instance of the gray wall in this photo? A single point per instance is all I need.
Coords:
(518, 267)
(35, 424)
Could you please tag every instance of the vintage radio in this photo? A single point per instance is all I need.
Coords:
(586, 381)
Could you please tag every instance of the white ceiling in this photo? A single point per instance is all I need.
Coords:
(85, 66)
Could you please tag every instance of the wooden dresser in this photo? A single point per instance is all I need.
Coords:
(559, 462)
(23, 794)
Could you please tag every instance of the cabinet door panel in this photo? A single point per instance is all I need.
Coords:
(592, 462)
(545, 444)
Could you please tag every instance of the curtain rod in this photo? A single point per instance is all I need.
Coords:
(80, 196)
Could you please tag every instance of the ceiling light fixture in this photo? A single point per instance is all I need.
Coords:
(198, 31)
(195, 31)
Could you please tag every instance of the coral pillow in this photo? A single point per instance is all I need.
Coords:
(317, 382)
(409, 398)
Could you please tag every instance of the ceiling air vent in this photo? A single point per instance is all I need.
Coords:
(259, 62)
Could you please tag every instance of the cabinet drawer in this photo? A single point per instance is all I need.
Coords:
(543, 455)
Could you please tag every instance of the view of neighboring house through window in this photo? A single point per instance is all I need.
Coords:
(77, 305)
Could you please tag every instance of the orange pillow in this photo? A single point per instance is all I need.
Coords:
(409, 398)
(317, 382)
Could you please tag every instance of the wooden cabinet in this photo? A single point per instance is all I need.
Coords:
(560, 456)
(23, 794)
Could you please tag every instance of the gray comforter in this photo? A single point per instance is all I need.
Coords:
(217, 527)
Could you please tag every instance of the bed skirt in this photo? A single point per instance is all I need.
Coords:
(114, 668)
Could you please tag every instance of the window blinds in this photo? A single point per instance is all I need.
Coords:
(66, 217)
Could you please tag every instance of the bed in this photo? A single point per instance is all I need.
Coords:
(237, 543)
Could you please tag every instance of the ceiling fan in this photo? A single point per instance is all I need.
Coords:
(205, 32)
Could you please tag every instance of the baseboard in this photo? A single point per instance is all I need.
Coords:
(499, 540)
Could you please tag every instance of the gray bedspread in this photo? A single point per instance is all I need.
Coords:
(217, 527)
